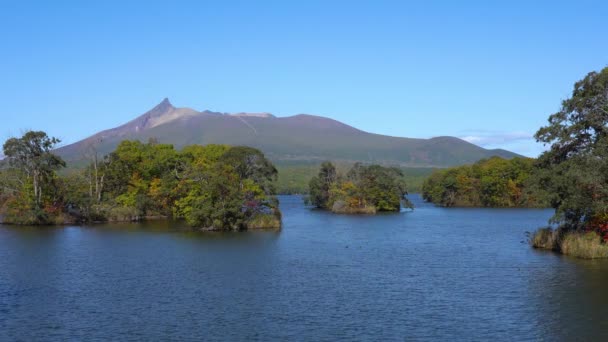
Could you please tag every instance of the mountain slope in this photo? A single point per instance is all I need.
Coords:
(299, 138)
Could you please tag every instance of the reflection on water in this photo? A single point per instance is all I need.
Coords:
(433, 273)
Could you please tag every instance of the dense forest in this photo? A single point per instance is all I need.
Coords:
(365, 189)
(214, 187)
(494, 182)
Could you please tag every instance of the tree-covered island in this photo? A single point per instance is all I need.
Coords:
(365, 189)
(213, 187)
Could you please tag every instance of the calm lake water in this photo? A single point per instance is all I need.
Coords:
(430, 274)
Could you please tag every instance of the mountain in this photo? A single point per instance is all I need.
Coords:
(293, 139)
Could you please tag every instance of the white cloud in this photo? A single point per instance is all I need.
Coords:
(493, 138)
(517, 141)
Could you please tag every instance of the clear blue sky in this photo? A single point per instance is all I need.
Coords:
(488, 71)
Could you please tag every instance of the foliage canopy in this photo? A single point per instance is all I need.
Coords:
(214, 187)
(28, 188)
(494, 182)
(575, 168)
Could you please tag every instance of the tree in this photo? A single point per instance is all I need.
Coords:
(227, 188)
(95, 171)
(320, 185)
(379, 186)
(31, 154)
(575, 168)
(250, 163)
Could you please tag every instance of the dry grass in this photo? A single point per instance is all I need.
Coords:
(546, 238)
(584, 245)
(587, 245)
(264, 221)
(122, 214)
(340, 207)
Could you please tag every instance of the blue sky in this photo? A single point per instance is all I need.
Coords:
(489, 72)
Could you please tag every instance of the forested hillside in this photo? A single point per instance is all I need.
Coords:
(494, 182)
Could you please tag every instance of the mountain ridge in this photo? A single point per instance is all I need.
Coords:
(301, 137)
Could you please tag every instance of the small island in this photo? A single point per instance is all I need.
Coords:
(365, 189)
(213, 187)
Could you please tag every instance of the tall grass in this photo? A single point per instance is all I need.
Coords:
(584, 245)
(341, 207)
(264, 221)
(545, 238)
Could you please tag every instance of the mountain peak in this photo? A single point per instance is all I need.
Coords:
(164, 105)
(160, 109)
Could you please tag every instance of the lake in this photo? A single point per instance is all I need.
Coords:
(430, 274)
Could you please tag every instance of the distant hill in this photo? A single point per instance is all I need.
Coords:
(295, 139)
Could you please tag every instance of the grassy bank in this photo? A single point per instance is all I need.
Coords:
(584, 245)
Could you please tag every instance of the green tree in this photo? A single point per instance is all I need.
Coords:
(142, 176)
(320, 185)
(227, 188)
(31, 154)
(382, 187)
(250, 163)
(575, 168)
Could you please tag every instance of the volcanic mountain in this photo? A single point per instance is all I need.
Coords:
(298, 138)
